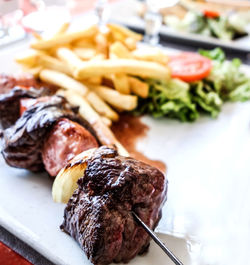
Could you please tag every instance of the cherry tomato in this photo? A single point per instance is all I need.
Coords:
(211, 13)
(189, 66)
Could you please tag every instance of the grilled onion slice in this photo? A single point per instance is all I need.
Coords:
(66, 180)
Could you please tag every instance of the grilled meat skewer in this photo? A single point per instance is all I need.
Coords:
(101, 188)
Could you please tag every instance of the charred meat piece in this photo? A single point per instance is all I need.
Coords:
(22, 143)
(8, 82)
(10, 103)
(66, 140)
(98, 215)
(26, 103)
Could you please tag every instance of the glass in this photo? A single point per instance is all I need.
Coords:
(102, 12)
(153, 19)
(96, 11)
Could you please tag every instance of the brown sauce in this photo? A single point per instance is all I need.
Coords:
(128, 130)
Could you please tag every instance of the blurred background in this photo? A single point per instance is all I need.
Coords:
(183, 24)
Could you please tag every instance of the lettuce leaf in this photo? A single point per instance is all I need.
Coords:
(226, 77)
(170, 99)
(216, 54)
(206, 98)
(241, 92)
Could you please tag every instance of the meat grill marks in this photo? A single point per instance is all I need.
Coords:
(24, 140)
(98, 215)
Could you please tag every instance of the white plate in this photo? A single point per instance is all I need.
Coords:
(208, 172)
(125, 12)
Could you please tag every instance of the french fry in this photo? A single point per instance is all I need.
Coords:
(54, 31)
(151, 54)
(72, 60)
(124, 31)
(64, 81)
(96, 80)
(106, 121)
(64, 39)
(68, 83)
(35, 71)
(62, 29)
(28, 58)
(133, 67)
(117, 36)
(99, 57)
(86, 111)
(130, 43)
(104, 134)
(85, 53)
(87, 42)
(54, 64)
(101, 107)
(120, 51)
(116, 99)
(138, 87)
(121, 83)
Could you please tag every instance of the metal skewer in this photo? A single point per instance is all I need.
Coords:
(157, 240)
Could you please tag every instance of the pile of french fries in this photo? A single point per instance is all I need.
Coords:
(101, 72)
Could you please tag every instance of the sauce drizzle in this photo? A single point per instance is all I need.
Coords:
(128, 130)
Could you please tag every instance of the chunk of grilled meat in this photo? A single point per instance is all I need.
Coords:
(98, 215)
(10, 103)
(66, 140)
(22, 142)
(15, 88)
(7, 82)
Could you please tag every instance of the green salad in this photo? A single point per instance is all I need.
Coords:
(222, 27)
(186, 101)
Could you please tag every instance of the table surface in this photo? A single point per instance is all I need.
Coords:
(21, 248)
